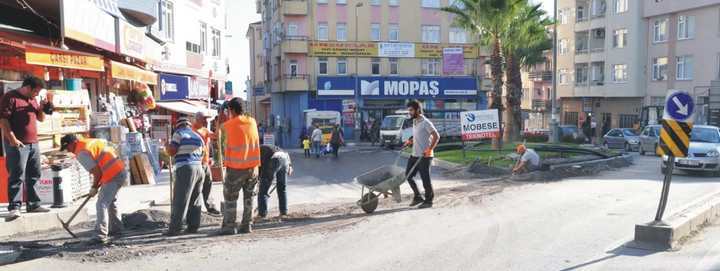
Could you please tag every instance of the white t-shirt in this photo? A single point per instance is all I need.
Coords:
(531, 156)
(317, 135)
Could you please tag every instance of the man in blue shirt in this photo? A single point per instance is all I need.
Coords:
(186, 147)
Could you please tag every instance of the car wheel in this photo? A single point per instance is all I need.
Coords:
(605, 145)
(641, 150)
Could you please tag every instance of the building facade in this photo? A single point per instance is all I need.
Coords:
(258, 99)
(537, 86)
(364, 60)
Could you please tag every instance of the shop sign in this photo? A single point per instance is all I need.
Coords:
(384, 49)
(85, 22)
(453, 61)
(200, 88)
(417, 87)
(394, 49)
(173, 87)
(479, 124)
(336, 86)
(132, 40)
(343, 49)
(426, 50)
(45, 56)
(132, 73)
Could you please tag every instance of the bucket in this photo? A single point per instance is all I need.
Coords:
(73, 83)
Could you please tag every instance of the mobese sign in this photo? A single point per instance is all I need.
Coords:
(479, 124)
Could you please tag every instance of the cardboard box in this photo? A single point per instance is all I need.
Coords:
(140, 170)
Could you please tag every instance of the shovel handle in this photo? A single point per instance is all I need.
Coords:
(87, 198)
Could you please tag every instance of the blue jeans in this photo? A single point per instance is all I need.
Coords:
(317, 147)
(23, 166)
(278, 172)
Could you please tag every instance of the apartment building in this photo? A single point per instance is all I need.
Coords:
(257, 98)
(537, 86)
(601, 56)
(683, 51)
(365, 59)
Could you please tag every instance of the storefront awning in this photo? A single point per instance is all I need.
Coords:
(186, 107)
(132, 73)
(41, 55)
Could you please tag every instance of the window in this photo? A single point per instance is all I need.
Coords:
(394, 66)
(322, 1)
(620, 38)
(192, 47)
(563, 44)
(580, 14)
(322, 31)
(571, 118)
(341, 32)
(342, 66)
(619, 73)
(684, 67)
(621, 6)
(431, 3)
(430, 66)
(167, 19)
(394, 32)
(375, 2)
(563, 16)
(375, 66)
(216, 42)
(393, 3)
(457, 4)
(718, 66)
(659, 68)
(660, 30)
(564, 77)
(340, 2)
(203, 37)
(431, 33)
(375, 32)
(323, 66)
(293, 68)
(686, 27)
(292, 30)
(458, 35)
(627, 121)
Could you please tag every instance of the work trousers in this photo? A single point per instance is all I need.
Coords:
(187, 198)
(23, 166)
(278, 173)
(423, 167)
(317, 147)
(207, 186)
(235, 181)
(108, 218)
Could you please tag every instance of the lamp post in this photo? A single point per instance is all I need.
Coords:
(554, 133)
(358, 115)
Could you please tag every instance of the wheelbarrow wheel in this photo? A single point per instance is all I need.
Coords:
(369, 203)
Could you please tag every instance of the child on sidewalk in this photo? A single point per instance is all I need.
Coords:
(306, 145)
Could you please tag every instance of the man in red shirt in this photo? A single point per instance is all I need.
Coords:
(200, 127)
(19, 113)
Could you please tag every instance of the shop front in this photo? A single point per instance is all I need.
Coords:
(178, 97)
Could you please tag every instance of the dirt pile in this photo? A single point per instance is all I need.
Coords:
(150, 219)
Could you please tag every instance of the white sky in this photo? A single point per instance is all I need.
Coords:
(240, 15)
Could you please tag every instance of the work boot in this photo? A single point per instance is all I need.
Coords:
(12, 215)
(191, 230)
(425, 205)
(228, 231)
(245, 229)
(416, 200)
(212, 211)
(37, 209)
(99, 240)
(171, 233)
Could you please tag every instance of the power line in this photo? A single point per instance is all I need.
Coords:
(24, 5)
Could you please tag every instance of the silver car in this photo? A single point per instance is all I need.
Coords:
(622, 138)
(704, 152)
(649, 139)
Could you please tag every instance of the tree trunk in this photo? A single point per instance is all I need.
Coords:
(495, 100)
(513, 99)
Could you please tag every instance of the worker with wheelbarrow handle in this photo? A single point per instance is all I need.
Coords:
(424, 140)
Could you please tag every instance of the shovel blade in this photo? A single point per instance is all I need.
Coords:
(66, 227)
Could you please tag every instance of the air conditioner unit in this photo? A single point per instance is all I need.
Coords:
(599, 33)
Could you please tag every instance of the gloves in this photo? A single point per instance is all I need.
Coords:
(93, 192)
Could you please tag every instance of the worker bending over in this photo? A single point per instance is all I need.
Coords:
(529, 160)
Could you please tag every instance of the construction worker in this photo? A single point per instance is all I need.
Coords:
(109, 175)
(241, 159)
(187, 148)
(200, 127)
(275, 165)
(529, 160)
(424, 140)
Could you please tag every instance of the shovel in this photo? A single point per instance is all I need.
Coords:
(66, 225)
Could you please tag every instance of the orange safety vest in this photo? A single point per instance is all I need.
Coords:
(242, 147)
(104, 156)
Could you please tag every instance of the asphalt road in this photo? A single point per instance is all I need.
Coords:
(577, 224)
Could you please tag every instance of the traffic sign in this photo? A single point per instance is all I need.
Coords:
(679, 106)
(677, 124)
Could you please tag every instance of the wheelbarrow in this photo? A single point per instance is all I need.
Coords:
(385, 181)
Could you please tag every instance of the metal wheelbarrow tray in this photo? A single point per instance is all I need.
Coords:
(385, 181)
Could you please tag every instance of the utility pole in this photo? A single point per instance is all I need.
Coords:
(554, 133)
(358, 115)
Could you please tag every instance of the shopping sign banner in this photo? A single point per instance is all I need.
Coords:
(329, 86)
(385, 49)
(677, 124)
(343, 49)
(85, 22)
(479, 124)
(131, 40)
(53, 57)
(417, 87)
(453, 61)
(432, 50)
(173, 87)
(396, 49)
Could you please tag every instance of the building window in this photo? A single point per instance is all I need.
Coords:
(340, 2)
(431, 3)
(563, 45)
(619, 73)
(571, 118)
(323, 66)
(167, 19)
(293, 68)
(216, 42)
(660, 30)
(684, 67)
(431, 33)
(621, 6)
(394, 67)
(375, 66)
(659, 68)
(628, 121)
(375, 32)
(686, 27)
(563, 16)
(458, 35)
(394, 32)
(203, 37)
(430, 66)
(620, 38)
(292, 30)
(192, 47)
(564, 77)
(393, 3)
(375, 2)
(341, 32)
(322, 31)
(342, 66)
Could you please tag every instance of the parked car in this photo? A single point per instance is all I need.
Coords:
(571, 134)
(622, 138)
(649, 139)
(703, 154)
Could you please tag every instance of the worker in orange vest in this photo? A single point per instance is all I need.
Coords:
(109, 175)
(241, 159)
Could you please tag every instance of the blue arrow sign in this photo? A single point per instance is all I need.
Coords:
(680, 106)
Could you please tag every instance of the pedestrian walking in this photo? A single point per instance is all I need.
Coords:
(375, 132)
(275, 165)
(316, 138)
(98, 158)
(306, 146)
(336, 139)
(242, 159)
(19, 114)
(187, 147)
(587, 129)
(200, 127)
(425, 139)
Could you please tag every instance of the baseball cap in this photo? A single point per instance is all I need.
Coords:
(66, 140)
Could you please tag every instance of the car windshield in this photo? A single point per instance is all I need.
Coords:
(656, 130)
(629, 132)
(706, 135)
(392, 123)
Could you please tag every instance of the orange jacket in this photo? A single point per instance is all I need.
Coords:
(242, 147)
(104, 156)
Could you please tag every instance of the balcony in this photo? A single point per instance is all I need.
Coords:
(297, 82)
(295, 7)
(541, 76)
(295, 45)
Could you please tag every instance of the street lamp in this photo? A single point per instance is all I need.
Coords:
(357, 90)
(554, 133)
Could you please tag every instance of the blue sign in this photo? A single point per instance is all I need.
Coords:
(259, 91)
(392, 87)
(229, 88)
(336, 87)
(173, 87)
(679, 106)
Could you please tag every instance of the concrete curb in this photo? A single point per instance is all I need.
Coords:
(29, 223)
(678, 227)
(626, 157)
